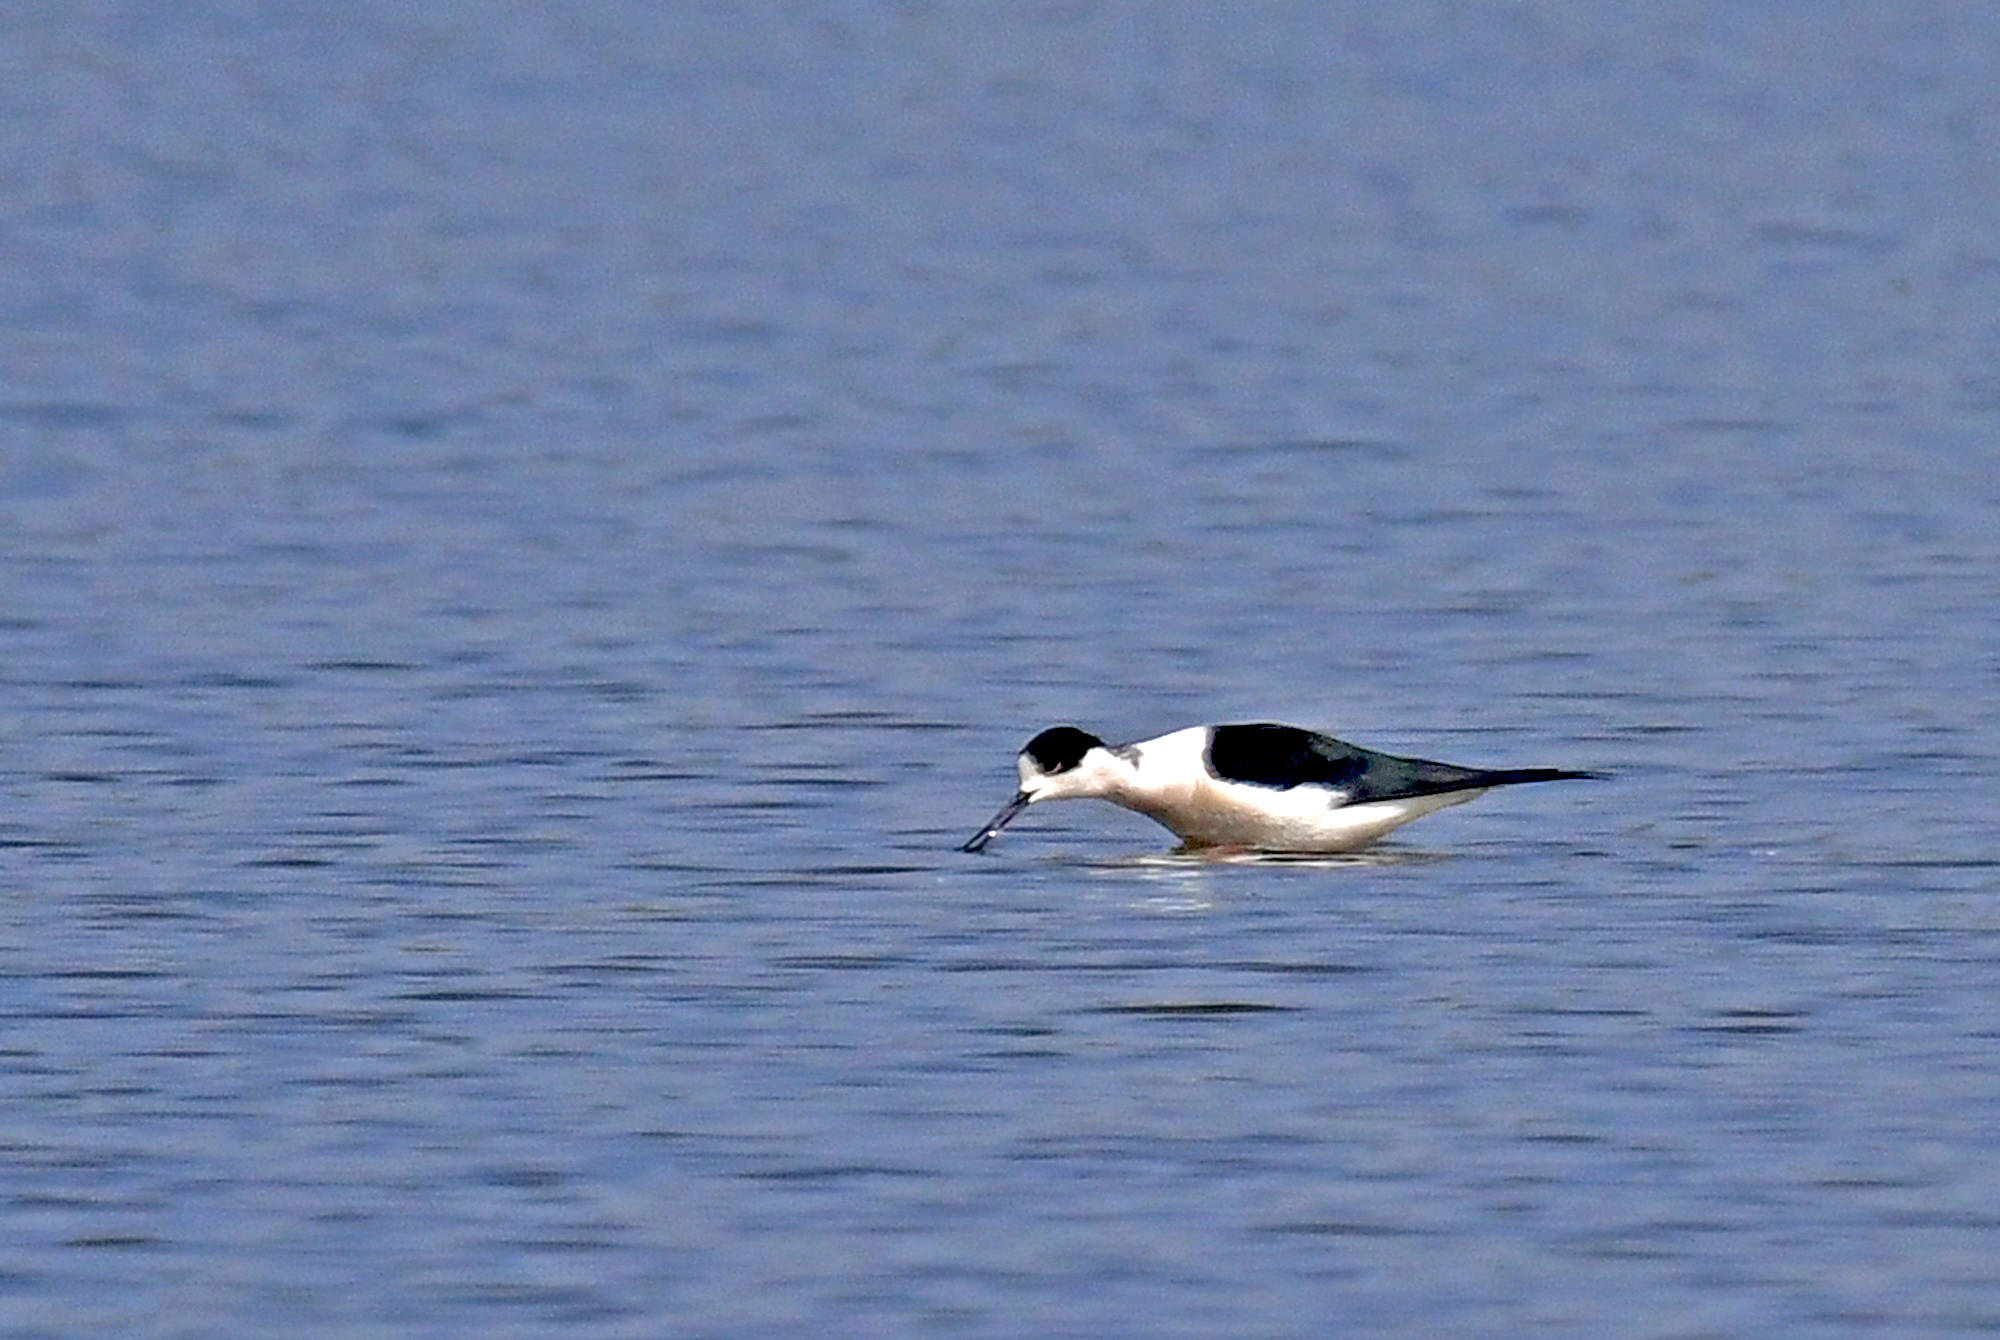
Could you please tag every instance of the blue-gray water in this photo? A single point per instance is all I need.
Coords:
(527, 535)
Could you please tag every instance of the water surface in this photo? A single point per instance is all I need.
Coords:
(527, 539)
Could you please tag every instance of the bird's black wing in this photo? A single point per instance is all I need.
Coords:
(1263, 754)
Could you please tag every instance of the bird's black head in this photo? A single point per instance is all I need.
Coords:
(1060, 748)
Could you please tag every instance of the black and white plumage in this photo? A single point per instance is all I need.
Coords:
(1252, 787)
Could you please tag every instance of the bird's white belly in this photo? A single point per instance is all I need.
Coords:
(1215, 813)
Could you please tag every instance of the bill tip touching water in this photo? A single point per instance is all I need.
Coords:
(1251, 787)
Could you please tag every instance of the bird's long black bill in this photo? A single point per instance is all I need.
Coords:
(998, 822)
